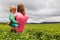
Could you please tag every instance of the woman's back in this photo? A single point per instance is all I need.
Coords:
(21, 19)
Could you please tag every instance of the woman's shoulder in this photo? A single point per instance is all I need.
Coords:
(17, 13)
(26, 13)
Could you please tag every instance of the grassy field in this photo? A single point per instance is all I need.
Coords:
(32, 32)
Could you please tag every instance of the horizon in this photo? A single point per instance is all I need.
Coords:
(39, 11)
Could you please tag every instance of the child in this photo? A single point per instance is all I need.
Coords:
(12, 22)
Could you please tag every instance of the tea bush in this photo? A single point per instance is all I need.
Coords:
(32, 32)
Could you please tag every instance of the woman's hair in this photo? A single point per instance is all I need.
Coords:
(21, 8)
(12, 7)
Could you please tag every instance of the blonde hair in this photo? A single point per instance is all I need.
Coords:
(21, 8)
(12, 7)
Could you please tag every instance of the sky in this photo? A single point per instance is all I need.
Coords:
(38, 10)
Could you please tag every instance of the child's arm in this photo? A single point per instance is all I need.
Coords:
(8, 22)
(11, 17)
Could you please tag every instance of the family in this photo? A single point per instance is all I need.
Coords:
(17, 18)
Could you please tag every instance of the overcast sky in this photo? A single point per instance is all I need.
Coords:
(38, 10)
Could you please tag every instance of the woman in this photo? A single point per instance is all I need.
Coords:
(21, 17)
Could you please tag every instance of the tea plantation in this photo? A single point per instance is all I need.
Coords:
(32, 32)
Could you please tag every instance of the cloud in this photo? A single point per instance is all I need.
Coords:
(50, 19)
(38, 10)
(43, 13)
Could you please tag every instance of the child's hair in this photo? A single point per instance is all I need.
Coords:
(12, 7)
(21, 8)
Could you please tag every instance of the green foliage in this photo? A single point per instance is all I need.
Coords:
(32, 32)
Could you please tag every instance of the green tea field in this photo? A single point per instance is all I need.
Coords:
(32, 32)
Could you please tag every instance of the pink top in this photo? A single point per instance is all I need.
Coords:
(21, 19)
